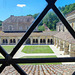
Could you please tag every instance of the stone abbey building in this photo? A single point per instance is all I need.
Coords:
(15, 27)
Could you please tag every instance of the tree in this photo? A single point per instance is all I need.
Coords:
(41, 28)
(50, 20)
(29, 15)
(0, 23)
(35, 15)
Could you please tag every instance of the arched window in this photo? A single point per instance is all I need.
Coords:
(33, 40)
(48, 40)
(51, 41)
(10, 28)
(28, 41)
(6, 41)
(3, 40)
(43, 40)
(10, 40)
(40, 40)
(14, 41)
(36, 40)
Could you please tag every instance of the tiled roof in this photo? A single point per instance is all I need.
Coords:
(65, 36)
(15, 19)
(42, 70)
(49, 33)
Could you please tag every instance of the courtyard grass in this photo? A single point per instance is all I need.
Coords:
(37, 49)
(52, 56)
(8, 49)
(34, 49)
(1, 57)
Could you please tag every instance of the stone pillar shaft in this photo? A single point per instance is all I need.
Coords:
(31, 40)
(66, 48)
(46, 41)
(72, 51)
(39, 40)
(61, 46)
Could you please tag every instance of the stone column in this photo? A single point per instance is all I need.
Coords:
(66, 48)
(16, 40)
(61, 46)
(57, 43)
(39, 40)
(54, 42)
(8, 41)
(0, 40)
(64, 44)
(46, 41)
(72, 51)
(69, 47)
(31, 42)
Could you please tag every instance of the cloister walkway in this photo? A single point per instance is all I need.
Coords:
(56, 51)
(20, 54)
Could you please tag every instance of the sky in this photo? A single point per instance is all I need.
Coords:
(26, 7)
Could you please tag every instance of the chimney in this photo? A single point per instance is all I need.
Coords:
(12, 16)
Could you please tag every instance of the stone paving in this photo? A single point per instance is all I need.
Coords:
(57, 52)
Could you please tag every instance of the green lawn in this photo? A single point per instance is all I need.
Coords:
(33, 49)
(1, 57)
(37, 49)
(8, 48)
(40, 56)
(42, 63)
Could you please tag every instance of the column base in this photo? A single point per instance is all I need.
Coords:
(61, 49)
(66, 53)
(72, 54)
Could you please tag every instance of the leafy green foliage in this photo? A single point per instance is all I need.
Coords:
(51, 18)
(35, 15)
(41, 28)
(0, 23)
(29, 15)
(68, 8)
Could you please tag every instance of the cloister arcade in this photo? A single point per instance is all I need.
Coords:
(29, 41)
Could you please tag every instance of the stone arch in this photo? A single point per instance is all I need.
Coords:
(51, 41)
(36, 40)
(6, 41)
(48, 40)
(11, 41)
(44, 41)
(14, 41)
(40, 40)
(3, 41)
(28, 41)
